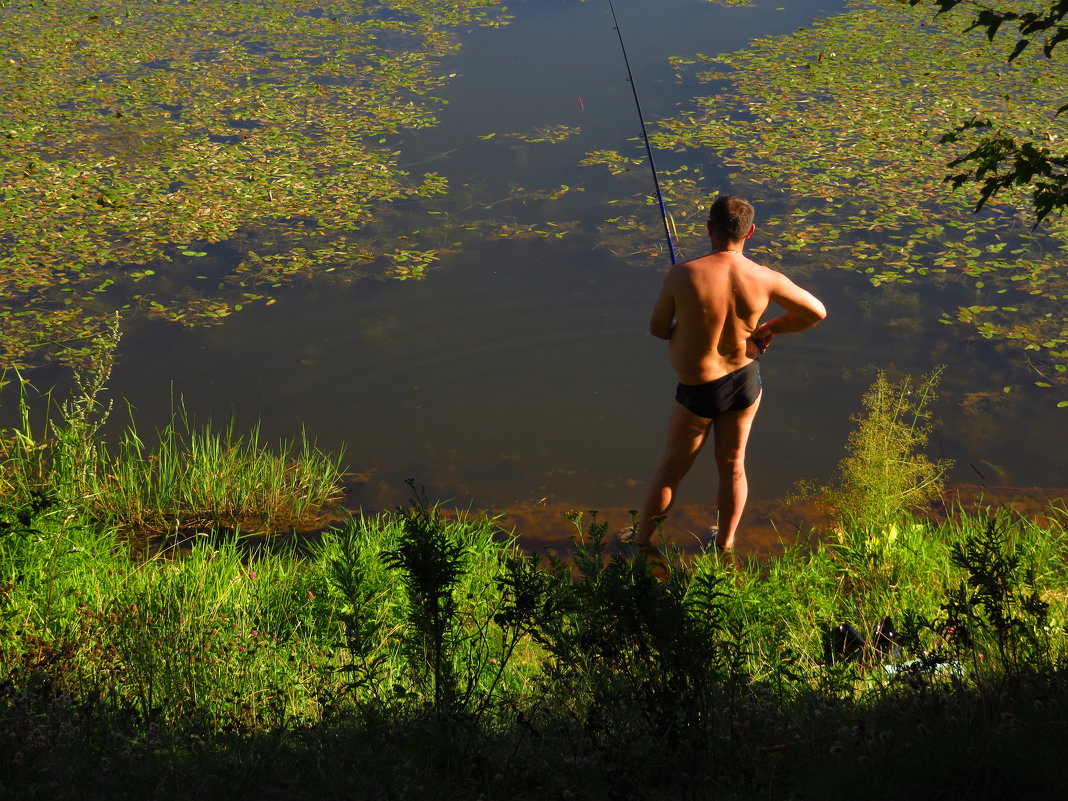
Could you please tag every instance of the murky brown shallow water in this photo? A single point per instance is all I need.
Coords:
(767, 526)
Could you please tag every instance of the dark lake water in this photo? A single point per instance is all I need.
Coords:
(521, 372)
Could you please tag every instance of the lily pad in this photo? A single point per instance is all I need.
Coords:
(133, 127)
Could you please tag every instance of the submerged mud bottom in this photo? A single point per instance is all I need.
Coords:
(767, 526)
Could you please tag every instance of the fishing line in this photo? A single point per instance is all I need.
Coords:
(668, 222)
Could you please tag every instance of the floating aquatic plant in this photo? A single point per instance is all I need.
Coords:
(836, 130)
(170, 133)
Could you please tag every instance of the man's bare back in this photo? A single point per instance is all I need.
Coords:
(709, 310)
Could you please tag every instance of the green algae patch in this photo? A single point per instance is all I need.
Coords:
(836, 130)
(145, 146)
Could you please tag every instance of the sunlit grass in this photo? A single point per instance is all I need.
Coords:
(233, 638)
(186, 477)
(425, 638)
(202, 477)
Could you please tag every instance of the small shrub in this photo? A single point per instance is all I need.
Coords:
(996, 610)
(430, 563)
(884, 474)
(638, 648)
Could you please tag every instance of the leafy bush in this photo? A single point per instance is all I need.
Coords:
(884, 474)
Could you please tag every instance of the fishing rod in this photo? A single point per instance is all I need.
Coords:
(668, 225)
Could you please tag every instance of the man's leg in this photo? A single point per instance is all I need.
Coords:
(731, 435)
(686, 436)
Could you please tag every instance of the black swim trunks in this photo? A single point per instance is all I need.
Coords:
(731, 393)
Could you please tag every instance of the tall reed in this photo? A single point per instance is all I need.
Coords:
(197, 476)
(190, 477)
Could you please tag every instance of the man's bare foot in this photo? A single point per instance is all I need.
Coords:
(628, 536)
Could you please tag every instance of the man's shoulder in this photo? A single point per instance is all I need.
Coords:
(702, 264)
(684, 271)
(695, 269)
(763, 272)
(755, 265)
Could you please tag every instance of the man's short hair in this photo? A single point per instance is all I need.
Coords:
(731, 217)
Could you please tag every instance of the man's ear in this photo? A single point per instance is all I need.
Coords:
(752, 230)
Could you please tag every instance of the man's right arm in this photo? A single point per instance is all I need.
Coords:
(662, 323)
(803, 310)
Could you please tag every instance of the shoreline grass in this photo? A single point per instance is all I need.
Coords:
(414, 653)
(187, 477)
(259, 672)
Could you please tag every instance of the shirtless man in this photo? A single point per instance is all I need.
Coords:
(709, 310)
